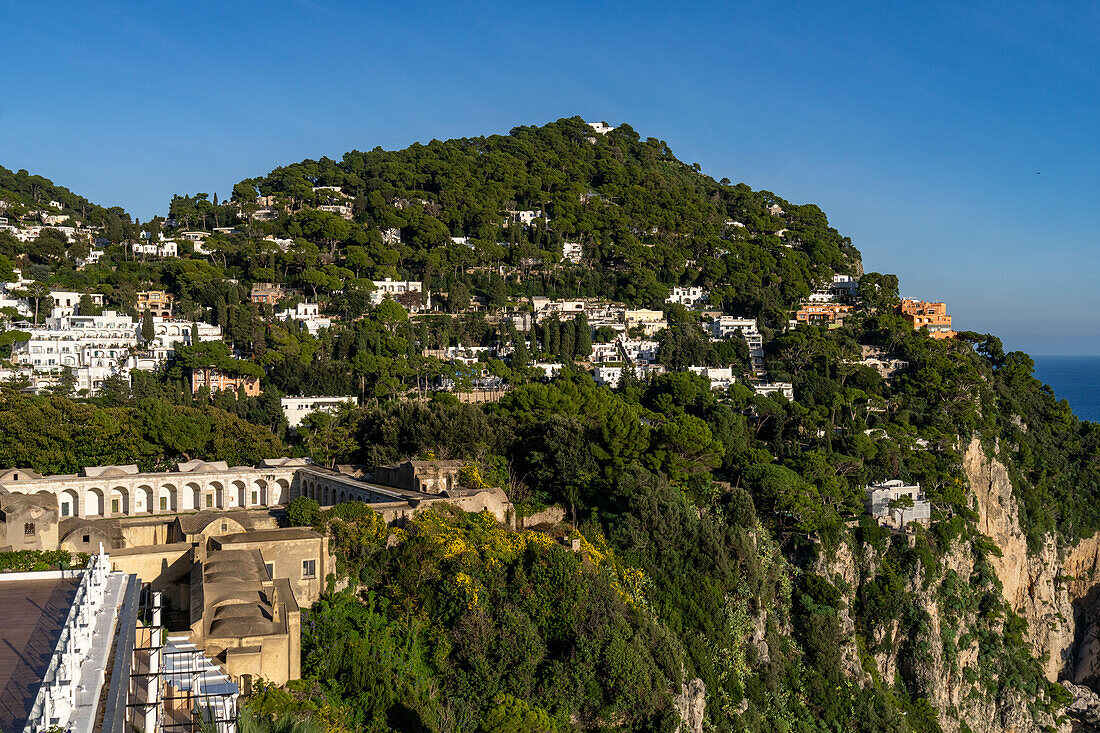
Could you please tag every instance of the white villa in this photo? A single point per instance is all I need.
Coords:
(895, 504)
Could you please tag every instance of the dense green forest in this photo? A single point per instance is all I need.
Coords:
(710, 522)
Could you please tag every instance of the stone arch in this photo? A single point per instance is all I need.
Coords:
(144, 502)
(259, 492)
(68, 503)
(167, 498)
(196, 496)
(94, 503)
(218, 488)
(241, 492)
(281, 492)
(343, 497)
(119, 501)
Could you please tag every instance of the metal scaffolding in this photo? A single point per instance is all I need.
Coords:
(174, 687)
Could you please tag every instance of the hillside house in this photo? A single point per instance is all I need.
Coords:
(895, 504)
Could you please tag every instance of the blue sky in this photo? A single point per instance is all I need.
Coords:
(956, 145)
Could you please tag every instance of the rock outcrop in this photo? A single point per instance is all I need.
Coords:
(691, 703)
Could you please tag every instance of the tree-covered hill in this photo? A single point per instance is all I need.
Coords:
(646, 220)
(717, 547)
(21, 192)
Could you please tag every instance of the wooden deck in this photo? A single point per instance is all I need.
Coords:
(31, 615)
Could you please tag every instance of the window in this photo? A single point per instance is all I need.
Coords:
(114, 506)
(225, 526)
(28, 529)
(209, 500)
(255, 497)
(270, 569)
(309, 568)
(86, 538)
(164, 503)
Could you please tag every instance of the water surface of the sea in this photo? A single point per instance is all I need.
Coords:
(1075, 379)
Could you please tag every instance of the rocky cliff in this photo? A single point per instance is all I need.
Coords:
(1054, 589)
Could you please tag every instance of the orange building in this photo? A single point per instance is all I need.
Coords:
(216, 380)
(932, 317)
(157, 302)
(820, 314)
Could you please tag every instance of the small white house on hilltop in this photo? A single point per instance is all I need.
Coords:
(895, 504)
(601, 128)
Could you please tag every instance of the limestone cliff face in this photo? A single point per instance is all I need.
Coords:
(1032, 583)
(1057, 589)
(1052, 589)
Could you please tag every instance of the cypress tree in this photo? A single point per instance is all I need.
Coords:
(568, 341)
(583, 347)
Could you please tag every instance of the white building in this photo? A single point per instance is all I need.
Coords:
(168, 333)
(93, 258)
(393, 288)
(296, 408)
(549, 369)
(341, 210)
(65, 302)
(155, 249)
(95, 347)
(639, 351)
(601, 128)
(725, 327)
(391, 236)
(525, 217)
(842, 289)
(769, 388)
(895, 504)
(720, 377)
(572, 252)
(606, 353)
(611, 374)
(688, 297)
(309, 314)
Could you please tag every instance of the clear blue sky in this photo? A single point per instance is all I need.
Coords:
(957, 146)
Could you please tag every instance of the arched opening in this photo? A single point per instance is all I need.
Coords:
(243, 498)
(120, 501)
(219, 493)
(143, 500)
(282, 492)
(166, 498)
(68, 504)
(94, 505)
(196, 496)
(259, 492)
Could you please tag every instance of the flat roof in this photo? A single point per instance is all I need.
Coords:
(264, 535)
(33, 612)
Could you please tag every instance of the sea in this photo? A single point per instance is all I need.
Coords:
(1075, 379)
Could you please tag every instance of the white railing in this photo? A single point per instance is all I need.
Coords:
(57, 696)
